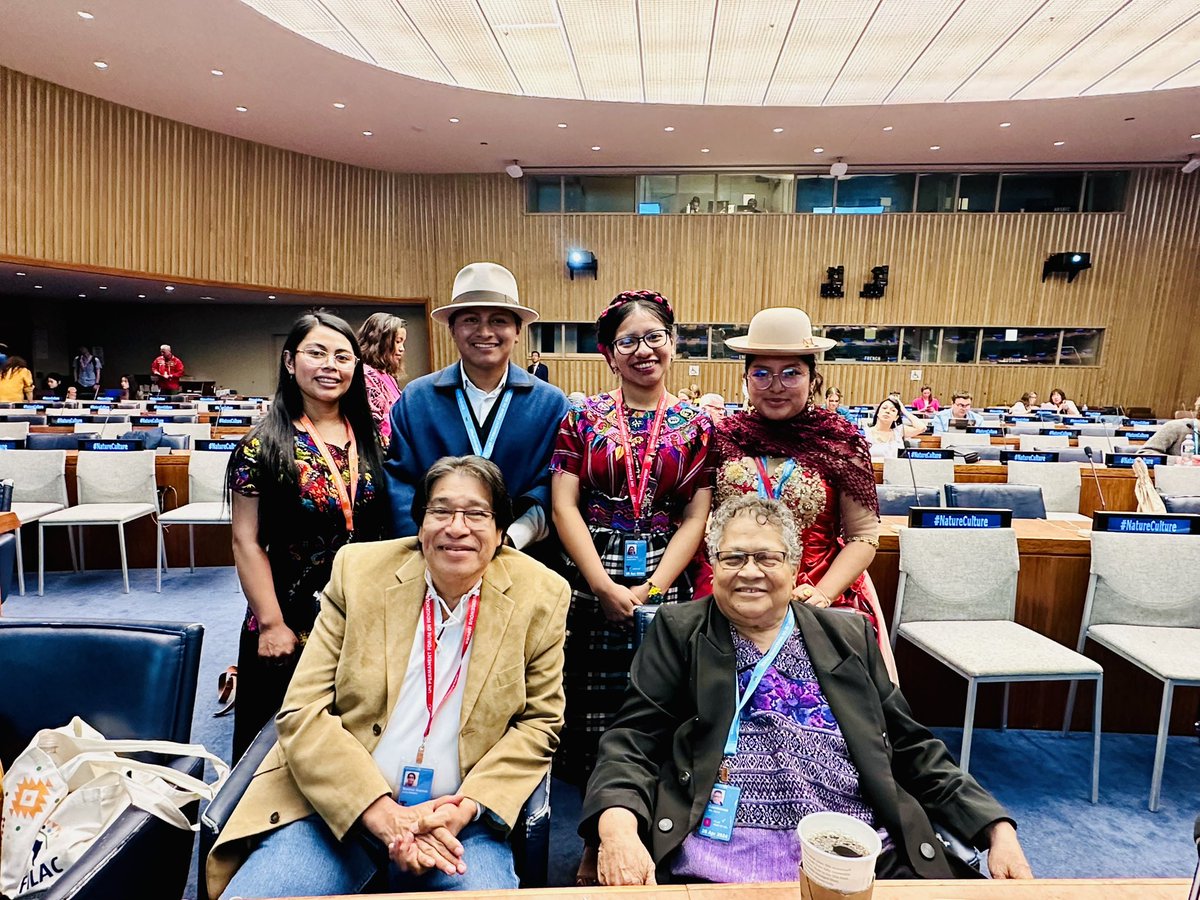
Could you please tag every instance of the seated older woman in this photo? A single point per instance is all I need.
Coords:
(423, 713)
(785, 710)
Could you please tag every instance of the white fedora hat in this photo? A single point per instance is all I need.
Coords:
(487, 285)
(781, 329)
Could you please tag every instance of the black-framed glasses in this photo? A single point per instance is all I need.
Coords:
(444, 515)
(343, 359)
(788, 378)
(733, 560)
(652, 339)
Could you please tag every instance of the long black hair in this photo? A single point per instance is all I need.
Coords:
(276, 450)
(899, 412)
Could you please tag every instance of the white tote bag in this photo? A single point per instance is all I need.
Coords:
(70, 784)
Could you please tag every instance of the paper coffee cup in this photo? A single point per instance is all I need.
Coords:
(821, 834)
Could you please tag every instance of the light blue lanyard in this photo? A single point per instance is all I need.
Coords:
(786, 627)
(764, 479)
(469, 423)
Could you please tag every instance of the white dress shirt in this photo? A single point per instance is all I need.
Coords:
(531, 525)
(401, 738)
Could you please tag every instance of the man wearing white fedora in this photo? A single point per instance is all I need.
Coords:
(482, 405)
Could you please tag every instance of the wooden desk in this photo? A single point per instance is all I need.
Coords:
(8, 522)
(1117, 484)
(977, 889)
(1051, 588)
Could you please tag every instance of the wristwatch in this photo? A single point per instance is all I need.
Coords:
(654, 594)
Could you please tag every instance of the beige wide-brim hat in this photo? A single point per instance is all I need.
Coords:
(484, 285)
(781, 329)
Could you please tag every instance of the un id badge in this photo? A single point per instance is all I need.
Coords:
(634, 555)
(717, 822)
(416, 785)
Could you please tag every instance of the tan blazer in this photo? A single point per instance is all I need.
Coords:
(350, 675)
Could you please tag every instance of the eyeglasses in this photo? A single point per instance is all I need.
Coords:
(733, 560)
(343, 359)
(652, 339)
(444, 515)
(788, 378)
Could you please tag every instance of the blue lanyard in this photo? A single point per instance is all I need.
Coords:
(764, 479)
(469, 423)
(785, 631)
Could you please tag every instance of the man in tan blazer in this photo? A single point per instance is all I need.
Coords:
(320, 814)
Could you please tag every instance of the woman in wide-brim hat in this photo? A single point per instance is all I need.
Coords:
(791, 448)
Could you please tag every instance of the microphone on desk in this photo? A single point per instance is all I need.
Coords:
(1087, 451)
(912, 473)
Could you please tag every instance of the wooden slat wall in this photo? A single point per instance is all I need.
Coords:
(87, 183)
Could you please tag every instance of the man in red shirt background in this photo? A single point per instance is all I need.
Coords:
(166, 370)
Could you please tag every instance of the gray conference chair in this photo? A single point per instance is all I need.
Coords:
(928, 472)
(208, 498)
(1059, 483)
(966, 622)
(14, 431)
(1177, 480)
(1143, 604)
(39, 489)
(114, 488)
(963, 439)
(1044, 441)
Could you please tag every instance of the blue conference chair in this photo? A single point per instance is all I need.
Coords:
(1025, 500)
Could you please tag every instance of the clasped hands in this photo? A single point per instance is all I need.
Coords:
(422, 837)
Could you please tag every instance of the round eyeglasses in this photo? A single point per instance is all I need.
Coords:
(652, 339)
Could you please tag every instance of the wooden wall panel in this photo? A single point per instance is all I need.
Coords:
(90, 184)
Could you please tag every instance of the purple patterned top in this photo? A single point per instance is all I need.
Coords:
(791, 760)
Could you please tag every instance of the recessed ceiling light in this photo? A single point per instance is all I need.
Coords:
(454, 120)
(83, 295)
(241, 109)
(1196, 137)
(141, 296)
(208, 298)
(777, 130)
(705, 150)
(104, 287)
(669, 128)
(216, 72)
(169, 288)
(595, 148)
(368, 133)
(37, 287)
(339, 105)
(818, 149)
(21, 274)
(1059, 143)
(887, 127)
(562, 124)
(100, 64)
(1006, 124)
(270, 296)
(936, 147)
(84, 14)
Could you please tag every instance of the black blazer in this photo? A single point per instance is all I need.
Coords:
(661, 755)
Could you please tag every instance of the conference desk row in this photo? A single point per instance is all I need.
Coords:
(980, 889)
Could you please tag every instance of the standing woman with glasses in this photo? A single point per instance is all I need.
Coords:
(788, 447)
(631, 493)
(305, 482)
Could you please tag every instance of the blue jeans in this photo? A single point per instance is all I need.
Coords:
(304, 859)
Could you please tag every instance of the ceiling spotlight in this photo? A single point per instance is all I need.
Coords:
(595, 148)
(241, 109)
(84, 14)
(141, 296)
(838, 169)
(368, 133)
(818, 149)
(339, 105)
(582, 261)
(887, 127)
(936, 147)
(169, 288)
(1196, 137)
(270, 296)
(216, 72)
(1192, 164)
(454, 120)
(514, 170)
(1072, 263)
(669, 128)
(705, 150)
(21, 274)
(1059, 143)
(82, 296)
(100, 64)
(37, 287)
(777, 130)
(562, 124)
(104, 287)
(1006, 124)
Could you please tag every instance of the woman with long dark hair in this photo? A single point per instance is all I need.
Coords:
(305, 482)
(891, 425)
(381, 339)
(16, 381)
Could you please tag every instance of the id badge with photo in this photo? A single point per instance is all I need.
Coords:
(719, 813)
(633, 552)
(416, 785)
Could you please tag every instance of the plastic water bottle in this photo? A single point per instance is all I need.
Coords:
(1188, 448)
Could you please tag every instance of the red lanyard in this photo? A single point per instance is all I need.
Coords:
(431, 652)
(637, 486)
(345, 500)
